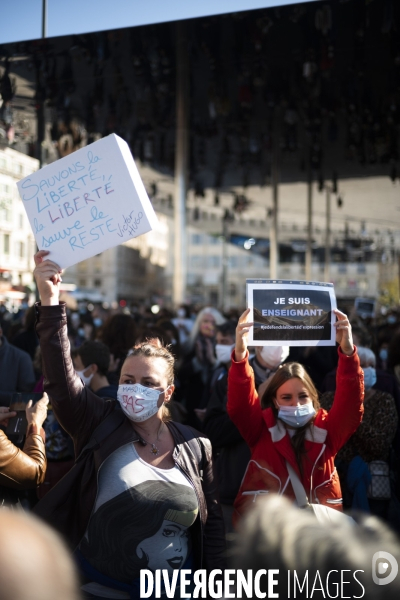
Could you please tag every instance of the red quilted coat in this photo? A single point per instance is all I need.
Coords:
(270, 443)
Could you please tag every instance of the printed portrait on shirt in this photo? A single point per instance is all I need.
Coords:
(145, 527)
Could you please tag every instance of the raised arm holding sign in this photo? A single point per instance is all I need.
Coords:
(131, 437)
(86, 202)
(343, 334)
(287, 426)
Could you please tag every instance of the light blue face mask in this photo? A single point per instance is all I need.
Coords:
(383, 354)
(296, 416)
(369, 377)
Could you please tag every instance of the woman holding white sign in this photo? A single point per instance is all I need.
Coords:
(286, 426)
(141, 494)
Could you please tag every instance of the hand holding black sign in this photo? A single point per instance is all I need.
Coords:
(343, 333)
(242, 330)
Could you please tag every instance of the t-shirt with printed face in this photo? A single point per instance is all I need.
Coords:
(141, 519)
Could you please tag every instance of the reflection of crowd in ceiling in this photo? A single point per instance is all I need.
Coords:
(327, 73)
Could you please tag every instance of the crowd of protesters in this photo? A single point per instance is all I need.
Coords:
(196, 361)
(201, 341)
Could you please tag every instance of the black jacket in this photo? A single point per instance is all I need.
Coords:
(232, 454)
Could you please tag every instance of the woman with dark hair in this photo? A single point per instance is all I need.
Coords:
(288, 425)
(139, 464)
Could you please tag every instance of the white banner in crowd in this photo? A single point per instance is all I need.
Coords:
(86, 202)
(291, 313)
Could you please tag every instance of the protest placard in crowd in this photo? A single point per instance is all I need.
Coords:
(293, 313)
(86, 202)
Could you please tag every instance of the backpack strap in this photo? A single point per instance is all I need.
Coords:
(102, 431)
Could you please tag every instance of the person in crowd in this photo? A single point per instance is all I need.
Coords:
(86, 329)
(383, 353)
(22, 469)
(313, 559)
(232, 452)
(384, 381)
(265, 362)
(204, 330)
(175, 406)
(27, 339)
(118, 333)
(287, 424)
(91, 362)
(5, 318)
(172, 338)
(371, 442)
(134, 465)
(200, 363)
(318, 361)
(393, 359)
(225, 342)
(59, 445)
(34, 562)
(183, 323)
(16, 369)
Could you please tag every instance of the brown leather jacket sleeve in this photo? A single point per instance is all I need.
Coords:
(22, 469)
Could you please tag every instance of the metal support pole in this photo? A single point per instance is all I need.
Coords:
(398, 275)
(40, 111)
(224, 282)
(309, 228)
(44, 18)
(273, 236)
(225, 265)
(41, 118)
(181, 162)
(327, 272)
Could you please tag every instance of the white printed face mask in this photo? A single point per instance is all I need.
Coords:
(223, 352)
(86, 379)
(138, 402)
(296, 416)
(274, 355)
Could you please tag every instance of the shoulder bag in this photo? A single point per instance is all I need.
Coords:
(323, 513)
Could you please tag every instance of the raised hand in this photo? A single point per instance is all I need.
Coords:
(242, 331)
(48, 278)
(343, 333)
(37, 413)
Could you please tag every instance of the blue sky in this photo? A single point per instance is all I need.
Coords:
(21, 19)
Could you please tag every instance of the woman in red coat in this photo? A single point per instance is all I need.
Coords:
(288, 425)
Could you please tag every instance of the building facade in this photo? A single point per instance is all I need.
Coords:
(17, 243)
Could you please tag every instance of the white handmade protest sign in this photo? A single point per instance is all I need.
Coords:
(291, 313)
(86, 202)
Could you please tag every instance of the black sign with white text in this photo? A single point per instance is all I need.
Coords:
(292, 313)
